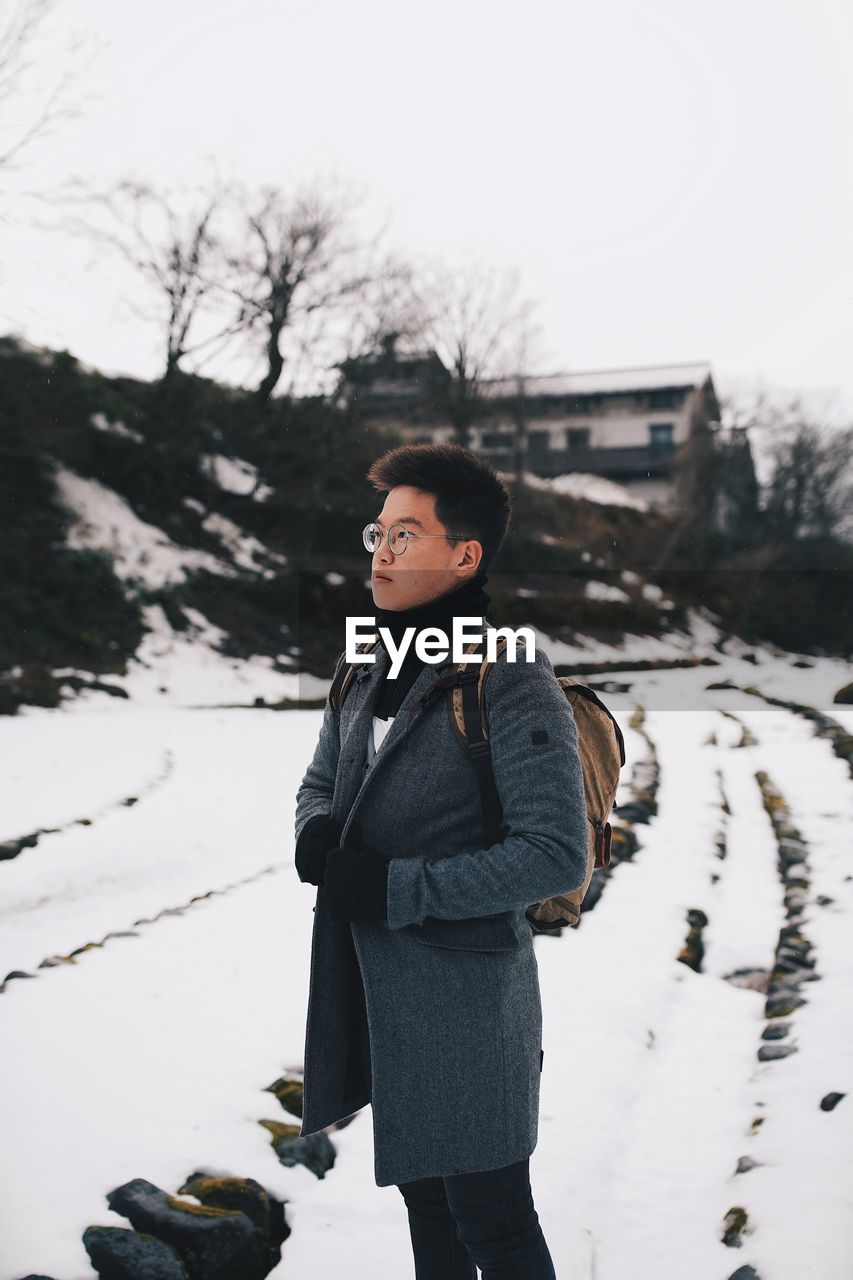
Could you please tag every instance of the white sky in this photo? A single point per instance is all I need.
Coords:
(675, 181)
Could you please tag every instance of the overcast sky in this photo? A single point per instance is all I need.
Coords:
(674, 180)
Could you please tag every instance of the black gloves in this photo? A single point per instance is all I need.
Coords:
(320, 834)
(354, 879)
(355, 886)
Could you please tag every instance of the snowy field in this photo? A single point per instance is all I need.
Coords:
(171, 859)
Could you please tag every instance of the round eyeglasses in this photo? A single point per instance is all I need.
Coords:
(398, 537)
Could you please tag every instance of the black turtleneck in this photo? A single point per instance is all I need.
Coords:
(471, 599)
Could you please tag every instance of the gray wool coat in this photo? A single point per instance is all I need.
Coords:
(449, 984)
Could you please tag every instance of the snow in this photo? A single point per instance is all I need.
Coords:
(103, 423)
(594, 590)
(187, 669)
(583, 484)
(235, 475)
(141, 553)
(590, 381)
(244, 548)
(144, 554)
(149, 1055)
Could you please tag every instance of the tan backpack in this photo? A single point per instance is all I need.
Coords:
(601, 747)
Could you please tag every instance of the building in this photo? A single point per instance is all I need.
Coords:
(628, 425)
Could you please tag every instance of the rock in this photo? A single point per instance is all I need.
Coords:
(778, 1006)
(263, 1210)
(213, 1244)
(823, 900)
(623, 846)
(734, 1225)
(776, 1030)
(795, 901)
(831, 1100)
(752, 979)
(593, 893)
(289, 1094)
(793, 850)
(693, 951)
(745, 1163)
(796, 957)
(315, 1151)
(634, 811)
(845, 695)
(748, 1273)
(772, 1052)
(119, 1254)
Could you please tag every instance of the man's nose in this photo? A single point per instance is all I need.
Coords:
(382, 555)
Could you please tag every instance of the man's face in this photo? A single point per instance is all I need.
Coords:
(430, 566)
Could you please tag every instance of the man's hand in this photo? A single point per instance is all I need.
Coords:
(355, 886)
(320, 834)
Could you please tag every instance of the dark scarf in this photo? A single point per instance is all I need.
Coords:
(471, 599)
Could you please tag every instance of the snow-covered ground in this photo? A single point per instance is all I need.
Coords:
(583, 484)
(149, 1056)
(141, 553)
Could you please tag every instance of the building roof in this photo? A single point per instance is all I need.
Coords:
(594, 381)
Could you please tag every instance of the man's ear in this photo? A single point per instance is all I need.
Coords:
(472, 556)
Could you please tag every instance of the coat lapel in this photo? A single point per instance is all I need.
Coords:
(362, 719)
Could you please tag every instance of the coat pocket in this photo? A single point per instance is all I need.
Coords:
(477, 933)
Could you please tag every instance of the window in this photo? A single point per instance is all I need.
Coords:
(577, 438)
(496, 440)
(660, 434)
(580, 404)
(538, 440)
(664, 398)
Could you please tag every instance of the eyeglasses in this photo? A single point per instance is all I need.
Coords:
(398, 537)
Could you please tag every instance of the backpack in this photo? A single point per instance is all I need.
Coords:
(601, 747)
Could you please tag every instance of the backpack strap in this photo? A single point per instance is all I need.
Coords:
(344, 675)
(467, 715)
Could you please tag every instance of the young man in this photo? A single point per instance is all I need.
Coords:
(424, 994)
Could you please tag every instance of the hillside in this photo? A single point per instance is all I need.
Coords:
(197, 546)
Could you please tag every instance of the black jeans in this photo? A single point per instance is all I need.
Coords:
(468, 1220)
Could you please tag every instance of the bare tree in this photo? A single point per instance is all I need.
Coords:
(299, 267)
(28, 112)
(389, 313)
(172, 241)
(476, 321)
(804, 459)
(810, 490)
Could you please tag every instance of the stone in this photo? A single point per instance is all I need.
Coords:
(831, 1100)
(212, 1243)
(315, 1151)
(262, 1209)
(776, 1030)
(778, 1006)
(117, 1253)
(772, 1052)
(734, 1225)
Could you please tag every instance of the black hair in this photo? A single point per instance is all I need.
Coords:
(469, 494)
